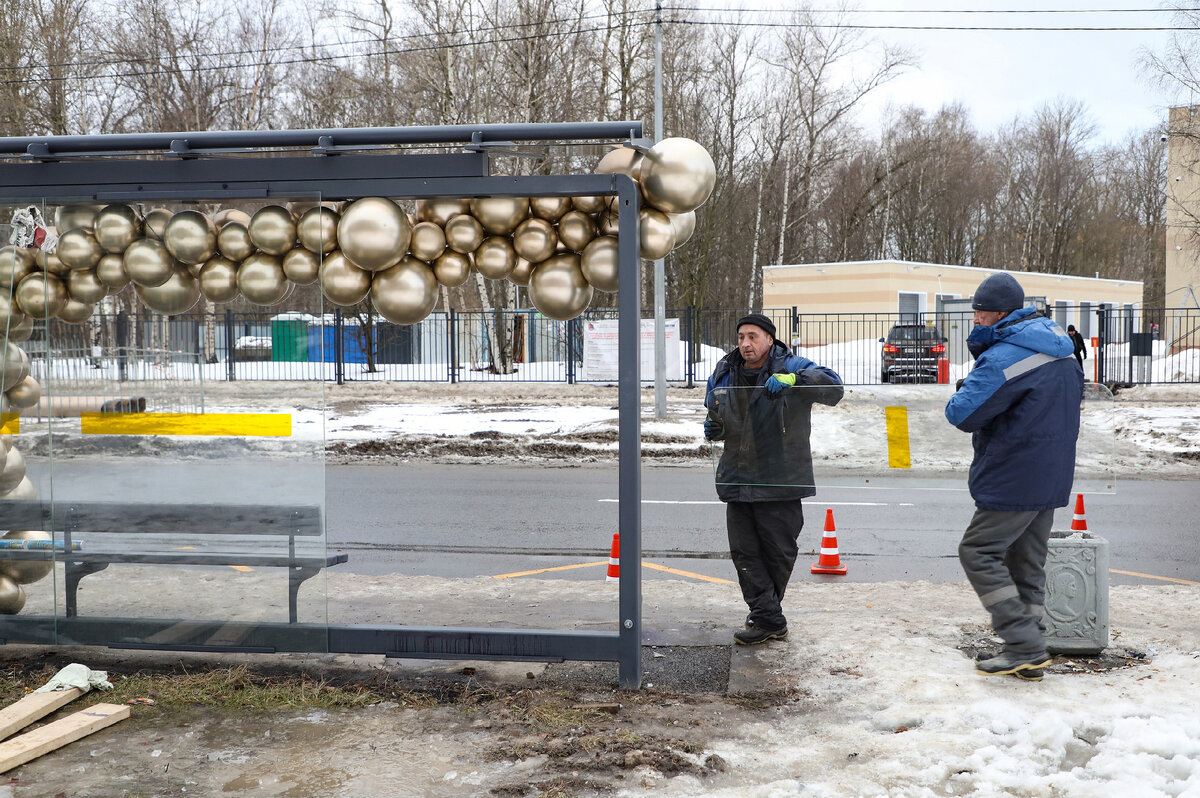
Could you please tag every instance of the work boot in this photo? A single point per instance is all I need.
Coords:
(756, 634)
(1007, 662)
(1030, 675)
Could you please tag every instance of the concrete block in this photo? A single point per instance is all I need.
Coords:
(1076, 593)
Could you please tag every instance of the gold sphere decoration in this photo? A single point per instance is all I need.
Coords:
(521, 274)
(428, 241)
(317, 230)
(440, 210)
(272, 229)
(72, 217)
(24, 490)
(599, 263)
(535, 239)
(500, 215)
(25, 393)
(575, 230)
(10, 314)
(12, 471)
(111, 271)
(620, 160)
(452, 268)
(464, 233)
(190, 237)
(405, 293)
(589, 204)
(549, 208)
(15, 263)
(342, 282)
(677, 175)
(86, 286)
(49, 262)
(607, 224)
(75, 312)
(19, 330)
(302, 266)
(684, 224)
(117, 226)
(41, 296)
(148, 263)
(373, 233)
(495, 257)
(155, 223)
(657, 234)
(12, 597)
(558, 289)
(230, 215)
(261, 280)
(15, 367)
(233, 241)
(218, 279)
(25, 572)
(177, 295)
(78, 249)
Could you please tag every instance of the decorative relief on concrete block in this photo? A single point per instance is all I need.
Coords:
(1076, 593)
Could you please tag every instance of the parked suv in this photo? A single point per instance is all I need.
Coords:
(910, 353)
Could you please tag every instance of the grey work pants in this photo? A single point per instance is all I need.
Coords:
(1004, 556)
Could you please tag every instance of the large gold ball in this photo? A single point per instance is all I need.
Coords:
(657, 234)
(12, 597)
(500, 215)
(148, 263)
(234, 242)
(230, 215)
(10, 314)
(558, 289)
(177, 295)
(21, 329)
(589, 204)
(549, 208)
(521, 274)
(677, 175)
(495, 257)
(535, 240)
(70, 217)
(302, 266)
(428, 241)
(373, 233)
(272, 229)
(452, 268)
(41, 296)
(607, 224)
(575, 230)
(86, 286)
(25, 393)
(599, 263)
(190, 237)
(440, 210)
(24, 490)
(405, 293)
(684, 224)
(317, 230)
(15, 263)
(261, 280)
(155, 223)
(15, 367)
(111, 271)
(48, 261)
(117, 226)
(464, 233)
(78, 249)
(218, 279)
(620, 160)
(342, 282)
(12, 472)
(75, 312)
(25, 572)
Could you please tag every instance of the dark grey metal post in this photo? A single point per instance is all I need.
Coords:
(452, 333)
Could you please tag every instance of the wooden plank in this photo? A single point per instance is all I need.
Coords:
(31, 745)
(20, 714)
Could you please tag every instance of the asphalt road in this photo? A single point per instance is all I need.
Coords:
(473, 520)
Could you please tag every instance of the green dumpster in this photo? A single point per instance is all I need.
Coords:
(289, 337)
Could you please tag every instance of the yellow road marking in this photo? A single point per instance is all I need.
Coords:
(242, 568)
(234, 424)
(687, 573)
(548, 570)
(897, 437)
(675, 571)
(1152, 576)
(10, 423)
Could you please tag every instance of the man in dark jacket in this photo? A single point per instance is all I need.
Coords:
(759, 402)
(1077, 341)
(1021, 403)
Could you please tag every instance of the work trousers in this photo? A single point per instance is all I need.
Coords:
(1004, 556)
(762, 543)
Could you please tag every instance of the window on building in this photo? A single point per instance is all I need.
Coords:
(911, 306)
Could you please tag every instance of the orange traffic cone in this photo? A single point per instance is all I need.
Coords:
(614, 560)
(1078, 522)
(829, 562)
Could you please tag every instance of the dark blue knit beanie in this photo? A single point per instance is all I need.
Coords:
(1000, 292)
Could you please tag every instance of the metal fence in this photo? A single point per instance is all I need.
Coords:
(1126, 345)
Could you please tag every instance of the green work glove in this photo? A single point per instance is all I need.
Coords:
(777, 382)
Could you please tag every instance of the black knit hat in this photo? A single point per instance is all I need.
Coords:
(758, 320)
(999, 292)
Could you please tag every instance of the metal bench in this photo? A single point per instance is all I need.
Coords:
(71, 521)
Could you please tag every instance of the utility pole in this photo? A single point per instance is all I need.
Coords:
(660, 280)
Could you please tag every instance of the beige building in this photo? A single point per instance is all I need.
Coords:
(1183, 208)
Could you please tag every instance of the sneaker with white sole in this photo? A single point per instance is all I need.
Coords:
(1007, 662)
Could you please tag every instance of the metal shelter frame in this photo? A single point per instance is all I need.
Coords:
(232, 165)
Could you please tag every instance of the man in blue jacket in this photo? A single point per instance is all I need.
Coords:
(766, 465)
(1021, 404)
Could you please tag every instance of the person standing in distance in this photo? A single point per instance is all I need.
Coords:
(1077, 341)
(1021, 404)
(766, 465)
